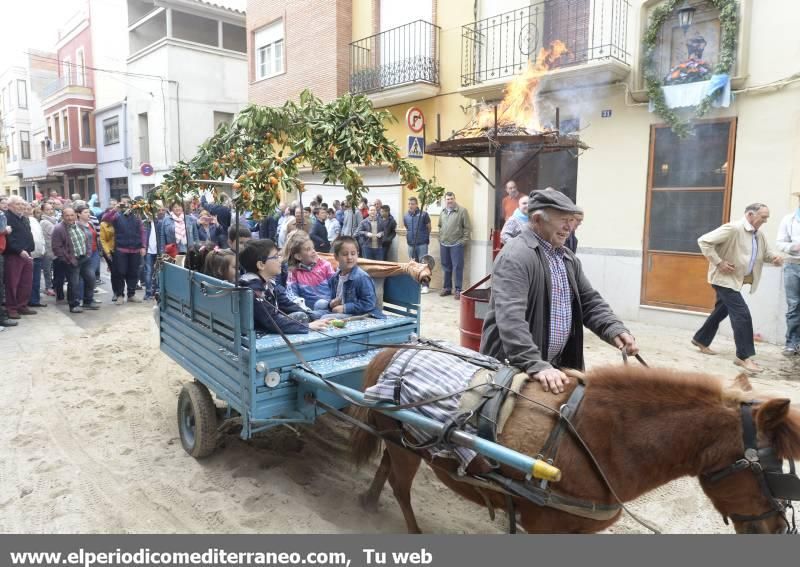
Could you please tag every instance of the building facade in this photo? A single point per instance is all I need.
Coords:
(23, 125)
(187, 60)
(648, 194)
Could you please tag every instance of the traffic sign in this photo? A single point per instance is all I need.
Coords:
(416, 147)
(146, 169)
(415, 119)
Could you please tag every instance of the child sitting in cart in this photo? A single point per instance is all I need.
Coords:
(351, 288)
(308, 278)
(273, 311)
(221, 264)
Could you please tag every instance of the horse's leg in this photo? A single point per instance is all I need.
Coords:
(369, 499)
(404, 466)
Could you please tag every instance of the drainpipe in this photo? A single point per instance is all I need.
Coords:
(125, 156)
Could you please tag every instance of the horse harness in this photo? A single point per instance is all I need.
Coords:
(539, 492)
(778, 487)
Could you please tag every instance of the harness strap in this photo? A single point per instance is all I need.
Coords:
(566, 413)
(493, 399)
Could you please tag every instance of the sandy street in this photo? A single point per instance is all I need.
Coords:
(90, 441)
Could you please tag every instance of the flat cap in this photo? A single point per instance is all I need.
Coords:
(551, 199)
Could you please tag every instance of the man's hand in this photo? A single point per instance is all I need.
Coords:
(626, 341)
(338, 309)
(142, 252)
(726, 267)
(318, 325)
(334, 302)
(552, 380)
(778, 261)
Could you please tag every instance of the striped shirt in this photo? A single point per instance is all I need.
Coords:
(560, 299)
(78, 238)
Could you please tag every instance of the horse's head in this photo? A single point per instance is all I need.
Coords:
(745, 483)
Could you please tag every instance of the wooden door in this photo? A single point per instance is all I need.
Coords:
(688, 194)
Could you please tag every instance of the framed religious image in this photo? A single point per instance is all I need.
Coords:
(690, 56)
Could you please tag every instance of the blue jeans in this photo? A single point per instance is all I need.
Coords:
(373, 253)
(452, 261)
(729, 302)
(791, 283)
(36, 297)
(83, 272)
(149, 282)
(417, 252)
(94, 264)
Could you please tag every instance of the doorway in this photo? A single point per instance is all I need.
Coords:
(688, 194)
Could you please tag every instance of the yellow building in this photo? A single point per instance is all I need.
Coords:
(648, 194)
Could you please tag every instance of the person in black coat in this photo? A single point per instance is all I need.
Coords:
(390, 230)
(268, 228)
(319, 233)
(18, 260)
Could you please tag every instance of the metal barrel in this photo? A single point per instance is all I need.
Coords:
(523, 463)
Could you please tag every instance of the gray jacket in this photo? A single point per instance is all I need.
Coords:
(520, 301)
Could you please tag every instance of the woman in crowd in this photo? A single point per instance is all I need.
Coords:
(37, 254)
(179, 229)
(48, 223)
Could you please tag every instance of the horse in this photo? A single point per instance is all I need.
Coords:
(645, 427)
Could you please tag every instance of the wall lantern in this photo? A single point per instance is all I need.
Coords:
(686, 15)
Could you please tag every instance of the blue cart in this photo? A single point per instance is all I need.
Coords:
(206, 326)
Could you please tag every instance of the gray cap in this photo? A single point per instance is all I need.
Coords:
(552, 199)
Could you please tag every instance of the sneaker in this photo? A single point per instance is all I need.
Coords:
(444, 292)
(789, 351)
(133, 299)
(425, 289)
(8, 323)
(92, 306)
(114, 299)
(457, 295)
(50, 292)
(75, 310)
(27, 311)
(14, 316)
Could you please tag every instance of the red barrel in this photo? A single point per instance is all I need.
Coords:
(496, 244)
(474, 305)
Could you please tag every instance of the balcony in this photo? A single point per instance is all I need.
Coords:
(397, 65)
(66, 85)
(595, 33)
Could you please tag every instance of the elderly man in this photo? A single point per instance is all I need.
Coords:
(511, 200)
(73, 248)
(541, 299)
(18, 260)
(4, 231)
(736, 252)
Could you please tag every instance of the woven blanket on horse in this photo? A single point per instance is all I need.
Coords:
(416, 375)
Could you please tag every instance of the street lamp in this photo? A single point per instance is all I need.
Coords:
(686, 15)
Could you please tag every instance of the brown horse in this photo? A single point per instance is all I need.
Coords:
(646, 427)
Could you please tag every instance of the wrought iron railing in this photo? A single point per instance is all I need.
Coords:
(402, 55)
(501, 46)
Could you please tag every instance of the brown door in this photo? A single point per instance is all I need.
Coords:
(688, 194)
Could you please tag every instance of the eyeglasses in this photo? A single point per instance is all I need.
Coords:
(277, 256)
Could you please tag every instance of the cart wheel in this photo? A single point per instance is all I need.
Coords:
(197, 420)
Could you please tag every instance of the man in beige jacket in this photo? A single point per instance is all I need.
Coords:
(736, 252)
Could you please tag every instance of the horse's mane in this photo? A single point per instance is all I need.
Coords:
(641, 385)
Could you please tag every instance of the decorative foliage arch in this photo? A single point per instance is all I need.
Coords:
(729, 24)
(263, 149)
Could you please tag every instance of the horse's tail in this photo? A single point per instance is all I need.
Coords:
(363, 443)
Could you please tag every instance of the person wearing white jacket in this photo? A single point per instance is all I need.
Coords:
(37, 255)
(789, 243)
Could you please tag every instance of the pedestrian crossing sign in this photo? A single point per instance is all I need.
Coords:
(416, 147)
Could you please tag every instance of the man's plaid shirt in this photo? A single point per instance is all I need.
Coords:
(78, 238)
(560, 299)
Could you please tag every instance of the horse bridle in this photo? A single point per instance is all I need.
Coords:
(778, 487)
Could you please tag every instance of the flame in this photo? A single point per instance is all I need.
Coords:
(518, 108)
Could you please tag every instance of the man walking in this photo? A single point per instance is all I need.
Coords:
(18, 261)
(454, 232)
(736, 252)
(789, 244)
(72, 247)
(541, 300)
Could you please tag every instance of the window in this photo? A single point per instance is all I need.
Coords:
(222, 118)
(10, 95)
(86, 128)
(71, 185)
(147, 188)
(5, 100)
(80, 69)
(111, 130)
(269, 50)
(117, 187)
(57, 132)
(65, 128)
(66, 70)
(13, 146)
(25, 144)
(144, 138)
(22, 93)
(90, 186)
